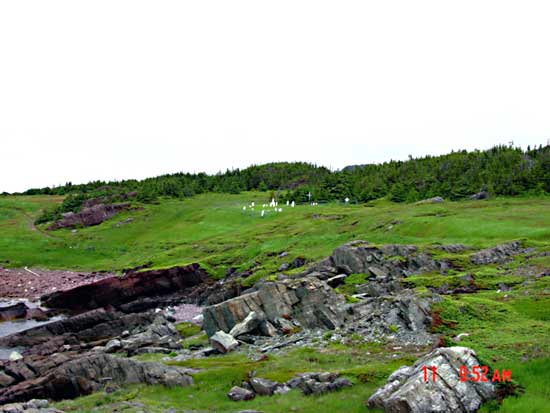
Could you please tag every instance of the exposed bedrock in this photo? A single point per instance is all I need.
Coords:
(404, 316)
(90, 373)
(91, 326)
(41, 359)
(310, 302)
(499, 254)
(116, 291)
(13, 312)
(88, 216)
(386, 262)
(408, 391)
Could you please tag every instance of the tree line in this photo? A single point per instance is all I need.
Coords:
(501, 170)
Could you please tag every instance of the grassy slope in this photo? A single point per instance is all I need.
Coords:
(511, 332)
(213, 230)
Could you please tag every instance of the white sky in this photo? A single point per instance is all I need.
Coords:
(131, 89)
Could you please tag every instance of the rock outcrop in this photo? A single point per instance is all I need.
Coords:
(307, 383)
(387, 263)
(385, 306)
(90, 373)
(13, 312)
(116, 291)
(89, 216)
(499, 254)
(405, 317)
(407, 391)
(309, 302)
(318, 383)
(92, 326)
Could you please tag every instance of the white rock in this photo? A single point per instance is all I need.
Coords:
(198, 319)
(247, 325)
(113, 345)
(223, 342)
(15, 355)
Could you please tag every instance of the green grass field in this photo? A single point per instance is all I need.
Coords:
(214, 231)
(509, 330)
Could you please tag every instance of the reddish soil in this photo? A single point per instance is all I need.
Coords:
(20, 283)
(187, 312)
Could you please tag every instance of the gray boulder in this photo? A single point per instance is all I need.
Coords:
(238, 394)
(406, 390)
(249, 324)
(113, 346)
(223, 342)
(434, 200)
(263, 387)
(480, 195)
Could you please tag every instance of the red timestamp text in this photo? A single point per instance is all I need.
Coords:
(473, 374)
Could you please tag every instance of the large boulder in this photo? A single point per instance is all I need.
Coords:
(263, 387)
(116, 291)
(407, 391)
(250, 323)
(90, 373)
(223, 342)
(238, 394)
(308, 301)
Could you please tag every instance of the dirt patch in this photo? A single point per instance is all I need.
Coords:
(187, 312)
(33, 283)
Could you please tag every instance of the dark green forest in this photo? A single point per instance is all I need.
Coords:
(501, 170)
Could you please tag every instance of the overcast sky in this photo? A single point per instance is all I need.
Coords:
(131, 89)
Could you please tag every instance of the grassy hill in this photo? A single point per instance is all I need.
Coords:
(510, 331)
(214, 230)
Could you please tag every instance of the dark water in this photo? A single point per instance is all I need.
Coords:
(5, 352)
(12, 327)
